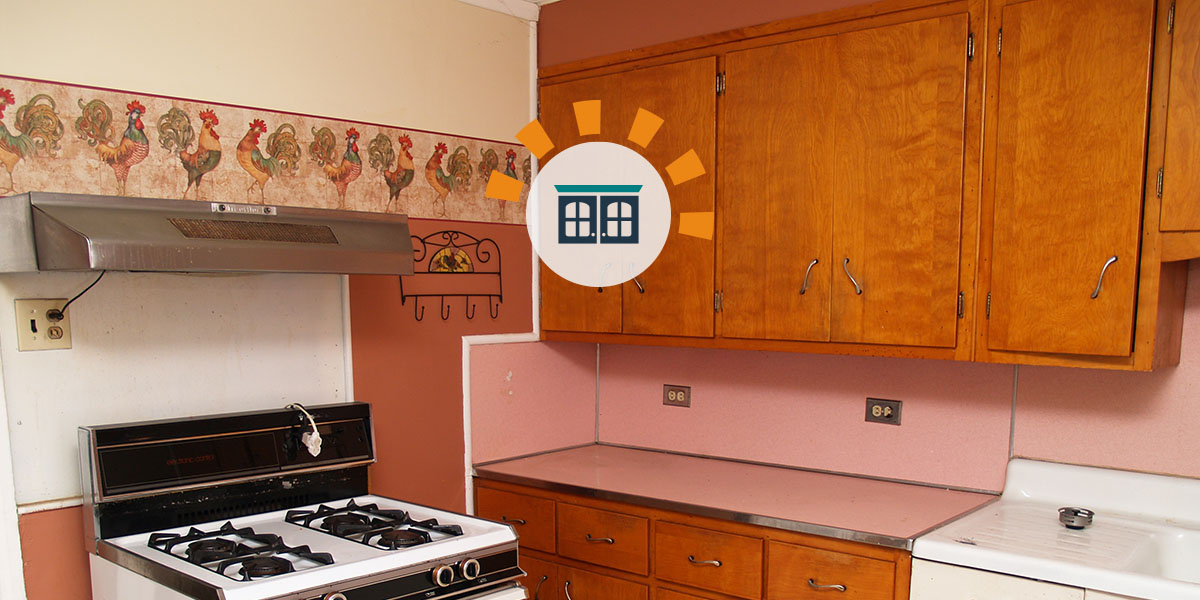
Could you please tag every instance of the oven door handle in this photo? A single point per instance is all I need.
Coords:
(511, 592)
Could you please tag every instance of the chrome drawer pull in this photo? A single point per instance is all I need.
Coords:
(846, 267)
(640, 287)
(567, 590)
(804, 286)
(515, 521)
(813, 585)
(605, 540)
(537, 590)
(1103, 270)
(692, 559)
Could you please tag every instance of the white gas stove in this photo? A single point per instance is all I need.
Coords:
(340, 547)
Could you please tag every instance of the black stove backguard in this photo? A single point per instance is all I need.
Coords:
(142, 477)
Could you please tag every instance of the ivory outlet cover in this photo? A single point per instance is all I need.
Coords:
(36, 330)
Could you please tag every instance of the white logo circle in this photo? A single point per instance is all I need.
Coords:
(598, 214)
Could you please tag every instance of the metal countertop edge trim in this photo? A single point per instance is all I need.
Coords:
(532, 454)
(960, 515)
(840, 533)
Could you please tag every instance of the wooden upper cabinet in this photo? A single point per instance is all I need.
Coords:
(1069, 169)
(676, 294)
(567, 306)
(898, 183)
(1181, 169)
(776, 190)
(676, 297)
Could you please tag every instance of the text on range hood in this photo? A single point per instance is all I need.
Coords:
(42, 231)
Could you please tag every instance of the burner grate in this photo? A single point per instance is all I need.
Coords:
(370, 525)
(258, 555)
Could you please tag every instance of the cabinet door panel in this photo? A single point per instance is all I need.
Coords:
(678, 296)
(1181, 177)
(776, 190)
(541, 579)
(567, 306)
(578, 584)
(898, 183)
(1070, 162)
(792, 567)
(532, 518)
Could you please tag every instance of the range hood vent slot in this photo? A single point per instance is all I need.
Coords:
(250, 231)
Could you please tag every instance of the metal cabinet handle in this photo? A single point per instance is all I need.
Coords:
(1103, 270)
(508, 520)
(846, 266)
(813, 585)
(692, 559)
(641, 289)
(567, 590)
(537, 590)
(605, 540)
(804, 287)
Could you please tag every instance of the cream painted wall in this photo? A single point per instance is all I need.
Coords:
(440, 65)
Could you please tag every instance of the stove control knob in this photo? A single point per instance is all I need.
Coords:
(470, 569)
(443, 575)
(334, 596)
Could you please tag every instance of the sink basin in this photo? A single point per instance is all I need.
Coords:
(1144, 541)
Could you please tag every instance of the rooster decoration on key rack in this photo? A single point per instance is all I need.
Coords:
(449, 264)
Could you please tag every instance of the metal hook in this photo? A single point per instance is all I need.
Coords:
(470, 308)
(421, 314)
(494, 308)
(445, 309)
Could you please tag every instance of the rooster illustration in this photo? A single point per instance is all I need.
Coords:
(323, 150)
(459, 177)
(95, 127)
(381, 155)
(491, 160)
(282, 148)
(175, 133)
(526, 170)
(39, 130)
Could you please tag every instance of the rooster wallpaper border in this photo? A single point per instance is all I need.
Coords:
(58, 137)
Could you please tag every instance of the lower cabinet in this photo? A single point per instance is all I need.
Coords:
(608, 550)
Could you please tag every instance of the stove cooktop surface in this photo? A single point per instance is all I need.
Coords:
(282, 552)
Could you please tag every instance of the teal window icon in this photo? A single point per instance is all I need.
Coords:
(605, 214)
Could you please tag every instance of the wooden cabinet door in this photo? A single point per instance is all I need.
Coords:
(676, 297)
(898, 183)
(568, 306)
(541, 579)
(1181, 169)
(1070, 163)
(799, 572)
(578, 584)
(777, 145)
(676, 294)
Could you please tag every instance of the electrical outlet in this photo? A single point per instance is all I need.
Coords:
(677, 395)
(37, 330)
(883, 411)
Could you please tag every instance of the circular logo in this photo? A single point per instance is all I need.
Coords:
(598, 214)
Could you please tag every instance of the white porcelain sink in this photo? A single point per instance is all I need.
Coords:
(1144, 541)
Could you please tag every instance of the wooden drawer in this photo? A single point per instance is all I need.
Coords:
(578, 584)
(533, 518)
(677, 548)
(661, 594)
(541, 579)
(791, 567)
(604, 538)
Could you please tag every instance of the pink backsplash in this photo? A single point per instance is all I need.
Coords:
(807, 410)
(531, 397)
(1134, 421)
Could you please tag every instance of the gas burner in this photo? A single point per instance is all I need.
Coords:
(368, 524)
(394, 539)
(259, 555)
(208, 550)
(266, 566)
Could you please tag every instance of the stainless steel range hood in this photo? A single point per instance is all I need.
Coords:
(41, 231)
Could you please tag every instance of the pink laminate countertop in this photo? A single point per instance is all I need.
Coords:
(842, 506)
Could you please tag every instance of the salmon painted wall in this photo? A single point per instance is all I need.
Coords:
(572, 30)
(531, 397)
(411, 371)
